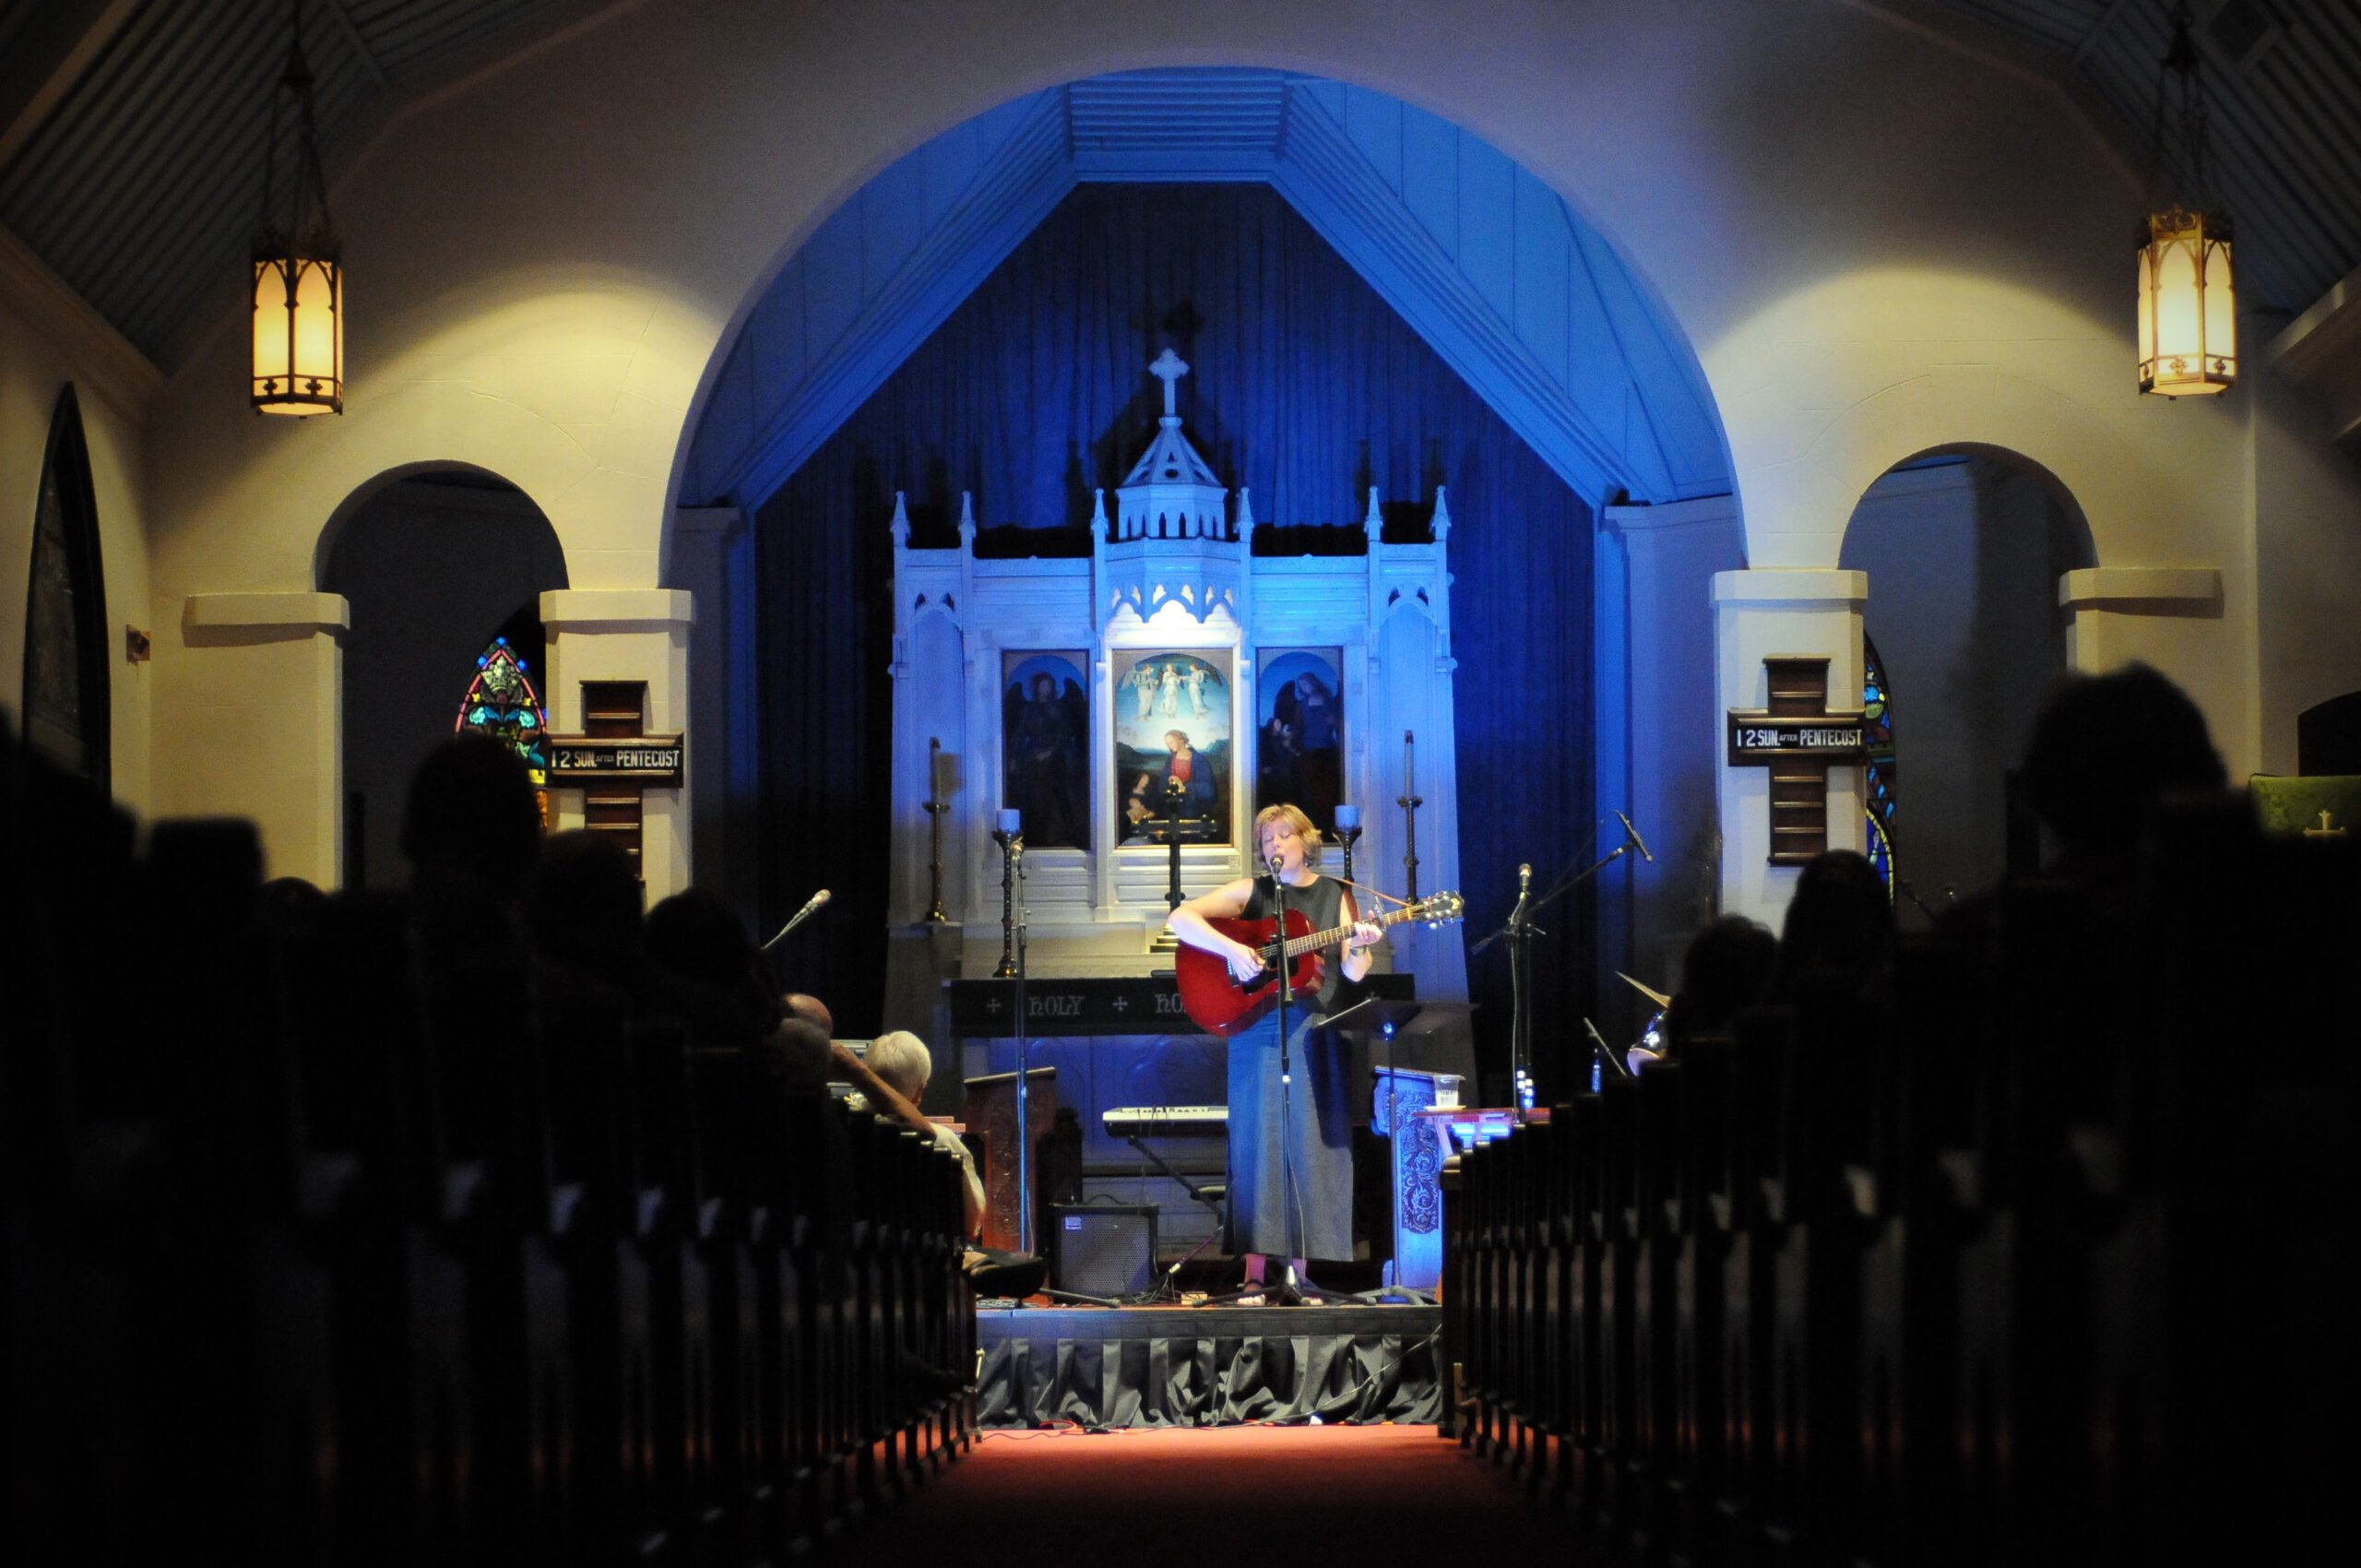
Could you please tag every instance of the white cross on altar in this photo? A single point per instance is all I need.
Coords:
(1120, 1005)
(991, 1005)
(1168, 368)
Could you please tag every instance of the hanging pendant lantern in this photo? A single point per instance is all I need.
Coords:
(2188, 322)
(2188, 334)
(298, 269)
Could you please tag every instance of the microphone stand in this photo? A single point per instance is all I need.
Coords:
(1291, 1200)
(1520, 930)
(1025, 1197)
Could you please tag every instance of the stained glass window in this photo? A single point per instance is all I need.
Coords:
(1880, 773)
(501, 703)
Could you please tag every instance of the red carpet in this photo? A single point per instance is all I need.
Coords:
(1218, 1497)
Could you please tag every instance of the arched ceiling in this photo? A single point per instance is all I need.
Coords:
(1527, 302)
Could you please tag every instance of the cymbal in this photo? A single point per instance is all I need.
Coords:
(1658, 997)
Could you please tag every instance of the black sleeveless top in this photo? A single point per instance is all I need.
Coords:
(1323, 905)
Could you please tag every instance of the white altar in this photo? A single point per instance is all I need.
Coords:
(1169, 670)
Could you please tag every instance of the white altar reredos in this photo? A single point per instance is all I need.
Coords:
(1171, 583)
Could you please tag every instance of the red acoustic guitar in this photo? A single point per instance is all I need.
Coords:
(1221, 1006)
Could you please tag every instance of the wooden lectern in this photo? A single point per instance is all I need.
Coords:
(992, 1124)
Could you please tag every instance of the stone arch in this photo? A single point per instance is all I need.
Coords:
(358, 500)
(1626, 319)
(433, 560)
(1963, 547)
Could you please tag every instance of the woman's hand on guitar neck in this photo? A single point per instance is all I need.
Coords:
(1365, 933)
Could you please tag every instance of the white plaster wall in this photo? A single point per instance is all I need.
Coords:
(1878, 241)
(35, 367)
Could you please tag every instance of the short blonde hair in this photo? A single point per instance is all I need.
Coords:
(902, 1060)
(1293, 816)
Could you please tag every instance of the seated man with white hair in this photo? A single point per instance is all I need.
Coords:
(901, 1059)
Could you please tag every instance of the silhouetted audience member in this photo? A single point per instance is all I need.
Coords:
(1839, 929)
(582, 917)
(2106, 752)
(582, 908)
(812, 1010)
(1727, 967)
(471, 813)
(291, 905)
(697, 937)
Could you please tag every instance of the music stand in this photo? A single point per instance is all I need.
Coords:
(1389, 1017)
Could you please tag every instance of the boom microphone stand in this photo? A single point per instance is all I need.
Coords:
(1520, 930)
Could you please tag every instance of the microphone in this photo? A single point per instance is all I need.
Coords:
(805, 913)
(1637, 842)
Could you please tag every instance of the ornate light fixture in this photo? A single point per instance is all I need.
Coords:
(2189, 342)
(299, 267)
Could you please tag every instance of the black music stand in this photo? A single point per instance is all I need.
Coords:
(1388, 1018)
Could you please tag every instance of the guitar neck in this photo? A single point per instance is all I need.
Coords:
(1301, 945)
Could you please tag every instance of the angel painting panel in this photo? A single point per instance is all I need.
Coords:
(1044, 722)
(1300, 742)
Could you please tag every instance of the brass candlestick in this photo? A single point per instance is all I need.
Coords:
(1012, 852)
(934, 809)
(1410, 801)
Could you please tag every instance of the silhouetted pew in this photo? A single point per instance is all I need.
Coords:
(2036, 1250)
(337, 1233)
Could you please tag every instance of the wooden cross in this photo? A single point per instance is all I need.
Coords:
(1798, 737)
(612, 761)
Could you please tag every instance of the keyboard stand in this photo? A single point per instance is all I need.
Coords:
(1213, 1195)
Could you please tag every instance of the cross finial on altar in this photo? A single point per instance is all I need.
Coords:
(1168, 368)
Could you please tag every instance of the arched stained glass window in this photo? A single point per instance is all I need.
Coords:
(66, 710)
(501, 703)
(1878, 774)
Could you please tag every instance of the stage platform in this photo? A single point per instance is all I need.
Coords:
(1179, 1366)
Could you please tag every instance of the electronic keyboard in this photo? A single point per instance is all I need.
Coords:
(1165, 1120)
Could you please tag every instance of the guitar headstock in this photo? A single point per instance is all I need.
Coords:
(1440, 909)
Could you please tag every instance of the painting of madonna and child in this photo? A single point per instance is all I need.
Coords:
(1299, 750)
(1172, 745)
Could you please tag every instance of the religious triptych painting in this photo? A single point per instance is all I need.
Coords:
(1045, 764)
(1173, 746)
(1300, 756)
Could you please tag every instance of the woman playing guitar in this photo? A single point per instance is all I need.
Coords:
(1270, 1214)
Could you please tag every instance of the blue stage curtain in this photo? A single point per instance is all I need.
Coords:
(1307, 389)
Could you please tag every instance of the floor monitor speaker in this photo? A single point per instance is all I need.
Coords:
(1104, 1248)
